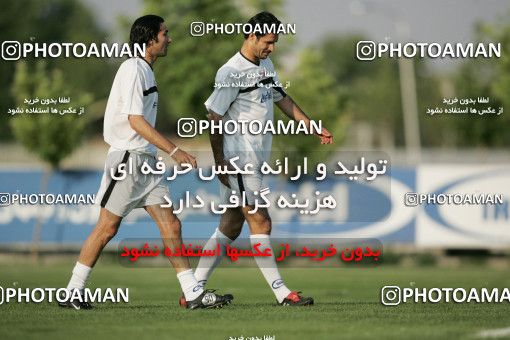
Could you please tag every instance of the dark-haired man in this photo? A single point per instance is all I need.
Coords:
(129, 123)
(254, 101)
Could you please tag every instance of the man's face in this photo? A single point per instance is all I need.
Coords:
(264, 45)
(160, 47)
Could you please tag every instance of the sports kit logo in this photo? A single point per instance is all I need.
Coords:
(277, 283)
(209, 299)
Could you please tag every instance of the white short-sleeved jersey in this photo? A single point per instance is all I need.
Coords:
(134, 92)
(245, 91)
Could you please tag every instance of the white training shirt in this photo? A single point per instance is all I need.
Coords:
(133, 92)
(234, 99)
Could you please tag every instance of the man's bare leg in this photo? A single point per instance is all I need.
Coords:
(105, 229)
(170, 230)
(171, 233)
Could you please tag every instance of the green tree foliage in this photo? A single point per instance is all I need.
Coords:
(485, 78)
(331, 84)
(372, 89)
(315, 91)
(47, 22)
(501, 85)
(186, 76)
(49, 135)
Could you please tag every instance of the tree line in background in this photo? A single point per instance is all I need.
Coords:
(328, 81)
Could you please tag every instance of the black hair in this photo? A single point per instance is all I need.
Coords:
(144, 29)
(261, 19)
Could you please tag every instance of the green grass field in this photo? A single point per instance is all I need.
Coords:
(347, 305)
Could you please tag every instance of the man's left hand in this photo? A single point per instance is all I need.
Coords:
(325, 136)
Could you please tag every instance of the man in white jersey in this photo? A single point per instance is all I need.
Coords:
(129, 123)
(245, 89)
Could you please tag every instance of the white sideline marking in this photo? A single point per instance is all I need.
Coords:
(495, 333)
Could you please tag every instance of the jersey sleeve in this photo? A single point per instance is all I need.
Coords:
(278, 92)
(225, 92)
(132, 90)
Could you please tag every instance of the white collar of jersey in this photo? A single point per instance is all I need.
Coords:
(242, 55)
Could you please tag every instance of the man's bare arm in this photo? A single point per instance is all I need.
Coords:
(144, 129)
(216, 140)
(293, 111)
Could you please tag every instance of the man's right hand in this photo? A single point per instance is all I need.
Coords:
(181, 157)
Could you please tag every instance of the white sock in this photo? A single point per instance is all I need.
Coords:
(189, 285)
(207, 264)
(80, 275)
(267, 266)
